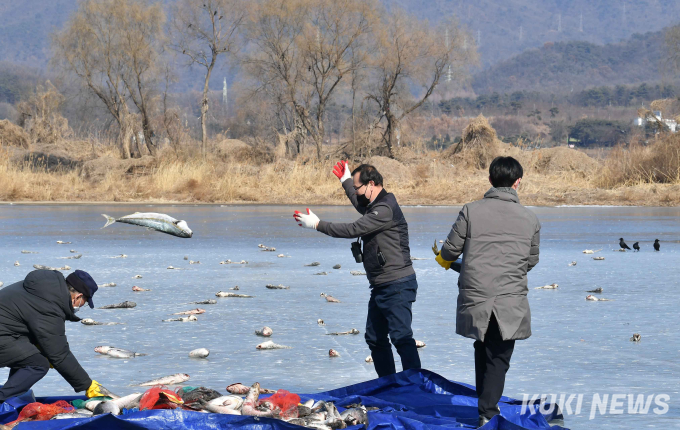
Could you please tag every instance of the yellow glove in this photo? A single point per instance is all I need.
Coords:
(445, 264)
(95, 390)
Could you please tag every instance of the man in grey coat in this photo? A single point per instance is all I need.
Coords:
(499, 240)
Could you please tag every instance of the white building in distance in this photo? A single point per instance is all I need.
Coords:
(670, 123)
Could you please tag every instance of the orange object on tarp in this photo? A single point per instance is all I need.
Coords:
(42, 412)
(286, 401)
(159, 397)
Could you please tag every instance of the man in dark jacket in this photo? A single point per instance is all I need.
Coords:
(499, 240)
(387, 260)
(33, 313)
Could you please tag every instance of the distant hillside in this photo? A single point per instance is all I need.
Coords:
(500, 28)
(572, 66)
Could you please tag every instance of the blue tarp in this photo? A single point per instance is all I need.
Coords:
(412, 400)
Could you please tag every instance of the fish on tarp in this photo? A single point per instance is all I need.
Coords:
(115, 406)
(124, 305)
(154, 221)
(175, 379)
(194, 397)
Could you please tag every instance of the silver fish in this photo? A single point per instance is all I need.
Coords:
(219, 409)
(197, 311)
(110, 284)
(547, 287)
(116, 352)
(175, 379)
(199, 353)
(41, 267)
(225, 294)
(115, 406)
(119, 256)
(125, 305)
(233, 262)
(573, 263)
(357, 273)
(70, 415)
(355, 416)
(137, 277)
(194, 262)
(271, 345)
(249, 405)
(352, 331)
(154, 221)
(73, 257)
(265, 331)
(28, 252)
(204, 302)
(61, 242)
(420, 344)
(231, 402)
(277, 287)
(90, 321)
(1, 284)
(190, 318)
(17, 264)
(72, 251)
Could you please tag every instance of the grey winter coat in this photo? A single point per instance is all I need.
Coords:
(499, 240)
(33, 313)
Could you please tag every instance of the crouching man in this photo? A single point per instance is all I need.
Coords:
(33, 313)
(499, 240)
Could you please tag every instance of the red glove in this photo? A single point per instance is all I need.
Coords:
(341, 170)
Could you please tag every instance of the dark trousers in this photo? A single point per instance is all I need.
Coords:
(492, 361)
(23, 375)
(389, 313)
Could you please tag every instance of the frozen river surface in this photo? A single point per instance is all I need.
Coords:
(577, 347)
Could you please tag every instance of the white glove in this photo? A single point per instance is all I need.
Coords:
(341, 170)
(307, 221)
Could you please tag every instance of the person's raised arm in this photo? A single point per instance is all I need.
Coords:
(341, 170)
(377, 219)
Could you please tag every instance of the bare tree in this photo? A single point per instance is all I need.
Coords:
(204, 30)
(303, 49)
(112, 47)
(409, 54)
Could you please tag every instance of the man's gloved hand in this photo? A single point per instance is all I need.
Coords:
(95, 390)
(341, 170)
(445, 264)
(307, 221)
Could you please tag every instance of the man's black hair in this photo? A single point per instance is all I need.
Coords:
(505, 171)
(368, 174)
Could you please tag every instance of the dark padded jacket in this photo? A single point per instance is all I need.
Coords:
(33, 312)
(382, 228)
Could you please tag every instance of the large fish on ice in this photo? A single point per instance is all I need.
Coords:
(155, 221)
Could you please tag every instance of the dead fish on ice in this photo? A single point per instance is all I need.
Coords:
(61, 242)
(17, 264)
(592, 298)
(330, 298)
(352, 331)
(357, 273)
(41, 267)
(283, 256)
(90, 321)
(194, 262)
(235, 288)
(268, 249)
(197, 311)
(72, 251)
(590, 251)
(265, 331)
(28, 252)
(204, 302)
(226, 294)
(119, 256)
(137, 277)
(547, 287)
(138, 289)
(314, 264)
(369, 359)
(333, 353)
(110, 284)
(154, 221)
(277, 287)
(636, 337)
(573, 263)
(175, 268)
(175, 379)
(271, 345)
(116, 352)
(420, 344)
(199, 353)
(190, 318)
(596, 290)
(418, 258)
(233, 262)
(321, 273)
(337, 266)
(73, 257)
(124, 305)
(598, 258)
(320, 322)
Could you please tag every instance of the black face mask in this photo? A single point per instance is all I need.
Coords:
(362, 200)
